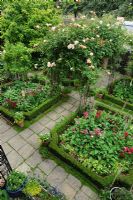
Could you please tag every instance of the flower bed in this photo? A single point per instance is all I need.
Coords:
(97, 143)
(27, 97)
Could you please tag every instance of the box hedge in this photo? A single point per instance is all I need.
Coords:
(101, 181)
(35, 112)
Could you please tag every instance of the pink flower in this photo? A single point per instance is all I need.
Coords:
(97, 131)
(85, 114)
(85, 131)
(126, 149)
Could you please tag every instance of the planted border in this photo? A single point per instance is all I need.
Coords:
(35, 112)
(101, 181)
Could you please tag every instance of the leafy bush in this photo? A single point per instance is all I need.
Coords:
(123, 89)
(32, 188)
(17, 59)
(27, 21)
(68, 48)
(15, 180)
(100, 141)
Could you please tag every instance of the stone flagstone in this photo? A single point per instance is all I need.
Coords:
(22, 152)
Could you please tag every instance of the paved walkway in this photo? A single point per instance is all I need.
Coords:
(22, 152)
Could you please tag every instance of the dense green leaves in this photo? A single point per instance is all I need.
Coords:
(98, 139)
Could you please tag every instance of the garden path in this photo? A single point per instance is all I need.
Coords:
(22, 152)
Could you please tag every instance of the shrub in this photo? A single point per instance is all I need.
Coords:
(27, 21)
(17, 60)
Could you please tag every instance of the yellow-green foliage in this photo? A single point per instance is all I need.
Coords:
(33, 188)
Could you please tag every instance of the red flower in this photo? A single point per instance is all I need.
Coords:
(98, 114)
(126, 134)
(86, 115)
(131, 149)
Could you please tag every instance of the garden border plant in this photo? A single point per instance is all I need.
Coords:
(110, 98)
(101, 181)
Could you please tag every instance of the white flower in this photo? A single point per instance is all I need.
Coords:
(108, 25)
(71, 46)
(110, 40)
(108, 72)
(92, 18)
(88, 61)
(91, 67)
(76, 42)
(85, 40)
(44, 41)
(120, 19)
(48, 24)
(91, 53)
(49, 64)
(92, 38)
(53, 28)
(101, 22)
(37, 26)
(98, 26)
(83, 46)
(35, 66)
(72, 69)
(98, 36)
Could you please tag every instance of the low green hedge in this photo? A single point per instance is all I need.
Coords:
(59, 129)
(7, 113)
(36, 111)
(42, 107)
(118, 101)
(108, 107)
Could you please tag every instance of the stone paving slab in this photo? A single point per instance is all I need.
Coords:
(47, 166)
(22, 152)
(57, 176)
(17, 142)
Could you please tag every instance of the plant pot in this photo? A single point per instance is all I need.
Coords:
(20, 123)
(18, 192)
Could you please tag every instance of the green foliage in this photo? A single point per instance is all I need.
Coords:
(24, 96)
(97, 140)
(3, 195)
(19, 116)
(32, 188)
(17, 59)
(15, 180)
(123, 89)
(44, 137)
(129, 68)
(27, 21)
(122, 194)
(118, 7)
